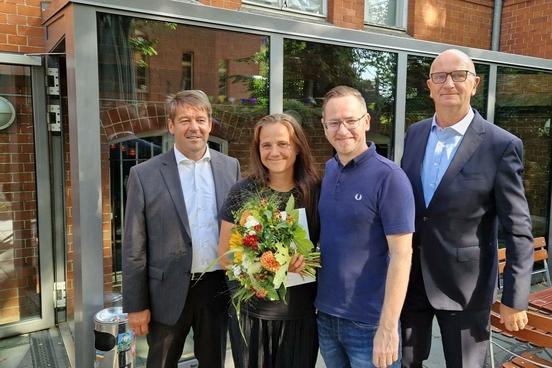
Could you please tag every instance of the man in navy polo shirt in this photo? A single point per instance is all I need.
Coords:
(367, 219)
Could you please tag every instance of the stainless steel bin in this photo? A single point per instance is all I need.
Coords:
(114, 341)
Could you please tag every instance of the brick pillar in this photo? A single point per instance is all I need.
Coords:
(20, 27)
(346, 13)
(526, 28)
(459, 22)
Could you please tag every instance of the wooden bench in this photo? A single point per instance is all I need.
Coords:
(538, 331)
(540, 254)
(528, 362)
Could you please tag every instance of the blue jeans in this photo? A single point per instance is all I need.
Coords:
(345, 343)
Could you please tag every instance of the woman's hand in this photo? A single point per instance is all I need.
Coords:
(225, 262)
(296, 263)
(225, 232)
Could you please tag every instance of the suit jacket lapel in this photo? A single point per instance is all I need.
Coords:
(420, 142)
(472, 139)
(169, 171)
(217, 168)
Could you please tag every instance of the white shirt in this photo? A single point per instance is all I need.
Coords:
(198, 187)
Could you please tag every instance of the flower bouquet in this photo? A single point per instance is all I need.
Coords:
(262, 243)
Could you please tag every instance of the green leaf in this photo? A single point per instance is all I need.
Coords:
(272, 295)
(282, 293)
(299, 232)
(280, 276)
(304, 245)
(282, 255)
(290, 205)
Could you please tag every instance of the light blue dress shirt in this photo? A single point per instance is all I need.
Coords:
(198, 187)
(441, 147)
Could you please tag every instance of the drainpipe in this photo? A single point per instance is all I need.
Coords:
(497, 18)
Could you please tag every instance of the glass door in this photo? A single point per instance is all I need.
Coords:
(25, 247)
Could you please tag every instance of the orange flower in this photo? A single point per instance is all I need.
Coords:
(269, 262)
(244, 216)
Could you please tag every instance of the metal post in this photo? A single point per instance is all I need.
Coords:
(400, 107)
(84, 150)
(276, 74)
(497, 20)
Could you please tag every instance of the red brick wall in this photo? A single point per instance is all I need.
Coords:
(208, 47)
(20, 26)
(464, 23)
(346, 13)
(226, 4)
(526, 28)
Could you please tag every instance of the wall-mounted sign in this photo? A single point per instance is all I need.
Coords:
(7, 113)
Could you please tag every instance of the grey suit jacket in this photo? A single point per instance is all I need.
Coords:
(157, 247)
(455, 240)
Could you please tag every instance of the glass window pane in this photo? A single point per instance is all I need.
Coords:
(381, 12)
(309, 6)
(140, 63)
(312, 69)
(419, 105)
(524, 108)
(19, 262)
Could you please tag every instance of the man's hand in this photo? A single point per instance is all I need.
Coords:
(139, 321)
(385, 347)
(513, 319)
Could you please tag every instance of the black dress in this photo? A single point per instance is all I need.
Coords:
(277, 334)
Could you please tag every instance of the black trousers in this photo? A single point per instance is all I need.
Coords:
(206, 313)
(465, 334)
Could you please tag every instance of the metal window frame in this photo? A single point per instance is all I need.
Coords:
(43, 199)
(81, 37)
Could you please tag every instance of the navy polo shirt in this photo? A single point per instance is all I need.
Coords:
(360, 204)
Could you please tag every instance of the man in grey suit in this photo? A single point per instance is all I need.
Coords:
(171, 237)
(466, 174)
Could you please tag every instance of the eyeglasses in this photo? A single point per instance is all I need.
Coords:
(456, 75)
(333, 125)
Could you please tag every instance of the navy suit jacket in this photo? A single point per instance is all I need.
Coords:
(157, 246)
(455, 247)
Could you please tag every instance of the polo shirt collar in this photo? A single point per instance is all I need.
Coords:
(371, 151)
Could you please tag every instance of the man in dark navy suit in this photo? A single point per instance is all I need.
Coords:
(466, 174)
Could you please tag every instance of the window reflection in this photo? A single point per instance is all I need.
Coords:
(381, 12)
(524, 108)
(140, 63)
(311, 69)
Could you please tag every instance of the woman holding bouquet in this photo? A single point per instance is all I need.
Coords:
(275, 333)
